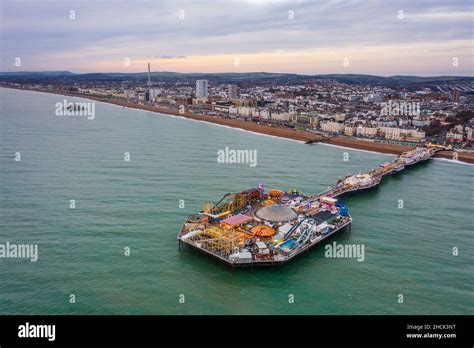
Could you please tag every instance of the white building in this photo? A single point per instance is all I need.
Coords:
(202, 89)
(153, 93)
(371, 98)
(419, 122)
(246, 111)
(332, 127)
(404, 122)
(469, 135)
(390, 133)
(401, 134)
(353, 98)
(366, 131)
(264, 114)
(412, 135)
(454, 136)
(233, 110)
(350, 130)
(280, 116)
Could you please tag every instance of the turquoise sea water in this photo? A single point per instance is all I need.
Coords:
(135, 204)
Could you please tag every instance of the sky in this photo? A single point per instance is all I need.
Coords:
(377, 37)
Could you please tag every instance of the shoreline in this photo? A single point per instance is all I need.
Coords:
(280, 132)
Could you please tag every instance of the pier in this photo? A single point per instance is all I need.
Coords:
(358, 182)
(259, 228)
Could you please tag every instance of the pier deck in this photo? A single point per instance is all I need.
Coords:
(261, 228)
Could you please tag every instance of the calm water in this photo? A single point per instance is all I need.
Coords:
(136, 204)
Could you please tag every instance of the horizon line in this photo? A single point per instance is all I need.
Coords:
(226, 72)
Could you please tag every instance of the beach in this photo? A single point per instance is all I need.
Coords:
(281, 132)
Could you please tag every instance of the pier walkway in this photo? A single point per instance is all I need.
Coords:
(352, 183)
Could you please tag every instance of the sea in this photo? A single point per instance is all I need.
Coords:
(103, 198)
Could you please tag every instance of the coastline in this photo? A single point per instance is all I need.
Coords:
(280, 132)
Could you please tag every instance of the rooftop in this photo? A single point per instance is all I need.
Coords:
(276, 213)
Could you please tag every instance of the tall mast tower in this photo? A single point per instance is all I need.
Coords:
(149, 81)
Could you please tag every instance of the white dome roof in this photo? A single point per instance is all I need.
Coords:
(276, 213)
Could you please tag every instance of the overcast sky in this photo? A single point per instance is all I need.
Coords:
(309, 37)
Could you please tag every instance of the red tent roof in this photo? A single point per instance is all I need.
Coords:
(236, 220)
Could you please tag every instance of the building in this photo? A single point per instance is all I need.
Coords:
(202, 89)
(284, 116)
(153, 93)
(404, 122)
(129, 94)
(412, 135)
(455, 96)
(454, 136)
(245, 111)
(222, 108)
(390, 133)
(233, 110)
(373, 98)
(366, 131)
(184, 100)
(332, 127)
(265, 114)
(340, 117)
(232, 92)
(200, 102)
(402, 134)
(419, 122)
(469, 135)
(350, 130)
(369, 98)
(353, 98)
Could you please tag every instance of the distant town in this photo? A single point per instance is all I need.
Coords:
(405, 111)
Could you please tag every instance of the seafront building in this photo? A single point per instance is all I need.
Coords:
(202, 89)
(456, 134)
(332, 127)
